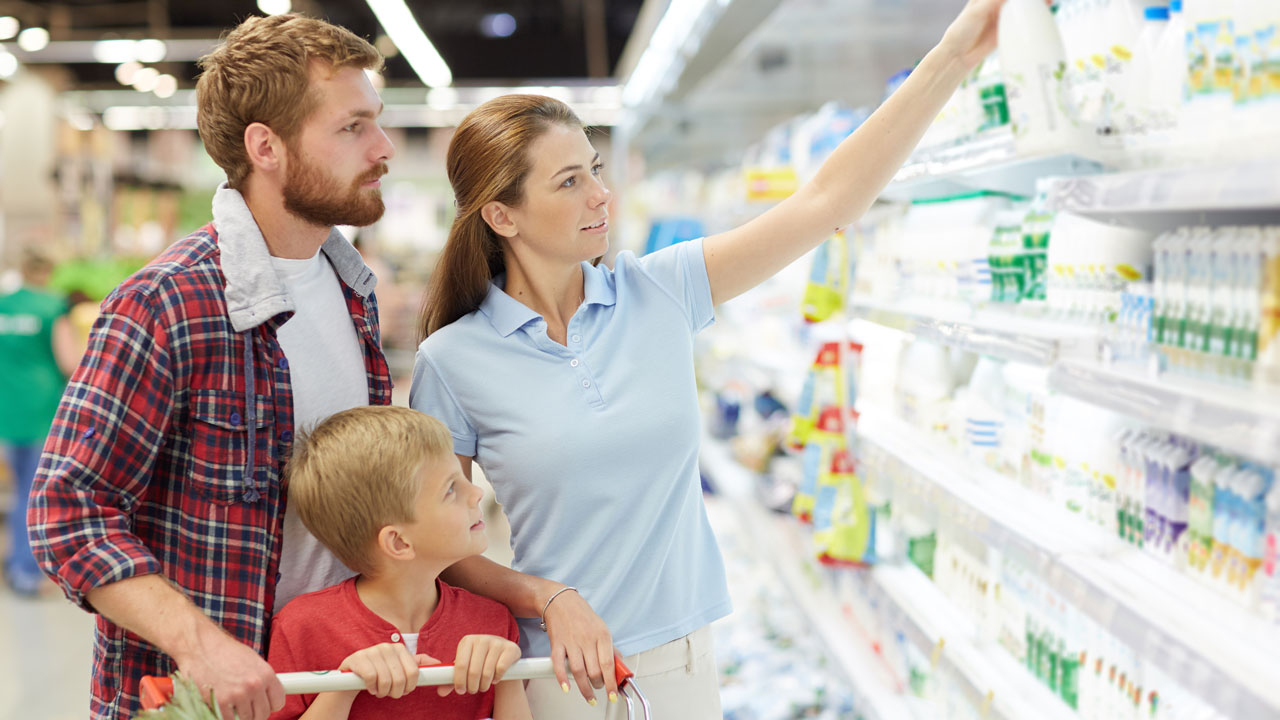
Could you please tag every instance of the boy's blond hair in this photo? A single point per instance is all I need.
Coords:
(358, 471)
(262, 73)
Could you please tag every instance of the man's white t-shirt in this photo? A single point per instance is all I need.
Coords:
(327, 374)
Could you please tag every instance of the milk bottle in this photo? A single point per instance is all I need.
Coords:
(1034, 61)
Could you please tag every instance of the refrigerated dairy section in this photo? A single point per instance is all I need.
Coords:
(1003, 445)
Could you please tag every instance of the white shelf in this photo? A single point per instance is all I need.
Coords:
(1159, 200)
(994, 678)
(989, 674)
(1215, 648)
(1239, 420)
(988, 331)
(989, 163)
(872, 685)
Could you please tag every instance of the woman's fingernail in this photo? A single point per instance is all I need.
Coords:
(564, 687)
(592, 702)
(613, 697)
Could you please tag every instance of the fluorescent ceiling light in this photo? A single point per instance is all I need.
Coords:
(8, 27)
(150, 50)
(663, 60)
(275, 7)
(145, 79)
(404, 31)
(33, 39)
(126, 70)
(166, 86)
(115, 51)
(8, 64)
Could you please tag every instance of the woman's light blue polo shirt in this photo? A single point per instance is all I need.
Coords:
(592, 448)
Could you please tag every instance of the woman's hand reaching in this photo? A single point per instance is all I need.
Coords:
(972, 35)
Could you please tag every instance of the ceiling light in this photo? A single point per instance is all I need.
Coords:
(8, 64)
(275, 7)
(375, 79)
(496, 25)
(166, 86)
(126, 70)
(400, 25)
(8, 27)
(663, 60)
(115, 51)
(80, 120)
(145, 79)
(150, 50)
(33, 39)
(442, 98)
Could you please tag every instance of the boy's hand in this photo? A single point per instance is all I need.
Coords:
(481, 662)
(388, 670)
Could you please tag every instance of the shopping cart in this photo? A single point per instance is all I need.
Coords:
(156, 691)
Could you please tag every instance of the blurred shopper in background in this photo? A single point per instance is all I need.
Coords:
(37, 353)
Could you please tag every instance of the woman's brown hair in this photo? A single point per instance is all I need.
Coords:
(488, 160)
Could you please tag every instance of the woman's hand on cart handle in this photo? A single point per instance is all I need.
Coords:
(580, 638)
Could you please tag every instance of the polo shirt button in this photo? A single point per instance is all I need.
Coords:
(573, 362)
(87, 434)
(235, 418)
(395, 637)
(586, 383)
(286, 435)
(576, 338)
(283, 363)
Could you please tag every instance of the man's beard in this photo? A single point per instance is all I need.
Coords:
(316, 197)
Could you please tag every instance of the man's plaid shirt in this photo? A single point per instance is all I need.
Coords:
(146, 467)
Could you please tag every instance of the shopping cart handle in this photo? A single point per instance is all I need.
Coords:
(156, 691)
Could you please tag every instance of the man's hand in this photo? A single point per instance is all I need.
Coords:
(481, 662)
(242, 683)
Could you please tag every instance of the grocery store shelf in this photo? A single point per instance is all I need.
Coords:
(989, 331)
(1159, 200)
(990, 676)
(777, 540)
(990, 163)
(994, 678)
(1240, 420)
(1158, 611)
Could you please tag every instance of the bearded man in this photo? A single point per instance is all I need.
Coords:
(159, 502)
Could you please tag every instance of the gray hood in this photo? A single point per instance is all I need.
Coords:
(254, 293)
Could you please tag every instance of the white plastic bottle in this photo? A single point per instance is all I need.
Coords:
(1168, 89)
(1141, 99)
(1034, 61)
(1122, 28)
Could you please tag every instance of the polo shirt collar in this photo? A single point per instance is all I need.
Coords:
(507, 314)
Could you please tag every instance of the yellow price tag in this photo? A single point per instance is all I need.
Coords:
(770, 184)
(937, 653)
(987, 702)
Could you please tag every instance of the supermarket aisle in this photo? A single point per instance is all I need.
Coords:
(772, 662)
(45, 646)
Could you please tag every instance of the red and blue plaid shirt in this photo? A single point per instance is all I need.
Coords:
(147, 468)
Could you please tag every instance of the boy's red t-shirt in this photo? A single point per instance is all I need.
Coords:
(317, 631)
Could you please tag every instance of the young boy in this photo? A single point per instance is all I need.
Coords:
(381, 488)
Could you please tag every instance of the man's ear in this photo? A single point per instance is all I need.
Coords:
(394, 545)
(264, 148)
(499, 218)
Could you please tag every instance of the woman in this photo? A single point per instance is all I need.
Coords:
(572, 385)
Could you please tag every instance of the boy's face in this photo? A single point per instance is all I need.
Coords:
(449, 524)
